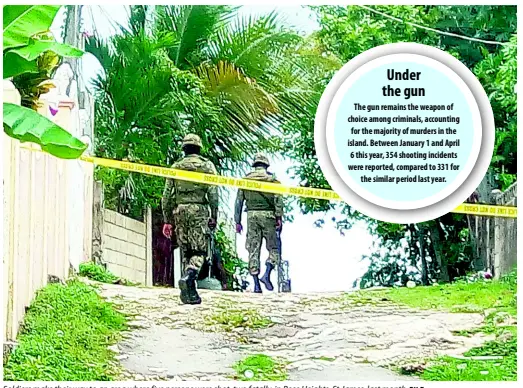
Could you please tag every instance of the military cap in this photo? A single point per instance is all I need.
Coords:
(261, 158)
(192, 139)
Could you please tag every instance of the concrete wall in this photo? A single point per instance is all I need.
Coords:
(125, 247)
(121, 244)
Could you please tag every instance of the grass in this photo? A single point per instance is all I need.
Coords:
(260, 367)
(100, 274)
(230, 319)
(65, 337)
(451, 369)
(457, 297)
(97, 272)
(454, 297)
(493, 297)
(324, 358)
(228, 316)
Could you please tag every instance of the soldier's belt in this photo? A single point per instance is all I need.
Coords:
(266, 187)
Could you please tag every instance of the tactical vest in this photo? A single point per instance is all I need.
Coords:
(189, 192)
(255, 200)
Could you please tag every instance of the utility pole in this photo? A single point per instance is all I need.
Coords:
(73, 21)
(74, 37)
(70, 78)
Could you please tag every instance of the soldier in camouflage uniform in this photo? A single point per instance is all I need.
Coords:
(192, 208)
(264, 220)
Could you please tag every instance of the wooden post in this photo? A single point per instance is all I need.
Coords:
(149, 247)
(497, 238)
(11, 155)
(98, 222)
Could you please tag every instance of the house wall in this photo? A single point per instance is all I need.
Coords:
(41, 200)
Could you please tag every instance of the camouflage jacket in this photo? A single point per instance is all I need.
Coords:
(256, 200)
(179, 192)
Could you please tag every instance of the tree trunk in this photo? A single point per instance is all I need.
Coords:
(413, 256)
(424, 266)
(438, 252)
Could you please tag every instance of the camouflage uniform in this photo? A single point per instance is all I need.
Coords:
(262, 211)
(188, 206)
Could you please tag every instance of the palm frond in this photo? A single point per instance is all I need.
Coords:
(237, 93)
(193, 25)
(100, 49)
(251, 43)
(137, 18)
(269, 53)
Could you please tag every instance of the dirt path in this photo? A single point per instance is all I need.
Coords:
(322, 336)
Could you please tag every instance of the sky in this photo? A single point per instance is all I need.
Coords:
(320, 259)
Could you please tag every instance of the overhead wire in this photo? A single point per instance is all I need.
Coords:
(433, 29)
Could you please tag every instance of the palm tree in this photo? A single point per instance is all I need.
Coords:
(246, 83)
(244, 63)
(193, 68)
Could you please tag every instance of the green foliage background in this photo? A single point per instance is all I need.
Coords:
(231, 260)
(253, 84)
(439, 249)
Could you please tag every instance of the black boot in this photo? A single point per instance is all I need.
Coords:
(257, 286)
(266, 278)
(187, 284)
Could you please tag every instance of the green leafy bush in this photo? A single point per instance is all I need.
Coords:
(230, 259)
(99, 273)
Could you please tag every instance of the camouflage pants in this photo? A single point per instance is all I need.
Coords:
(192, 232)
(261, 225)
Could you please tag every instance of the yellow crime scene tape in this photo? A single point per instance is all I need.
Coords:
(217, 180)
(487, 210)
(266, 187)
